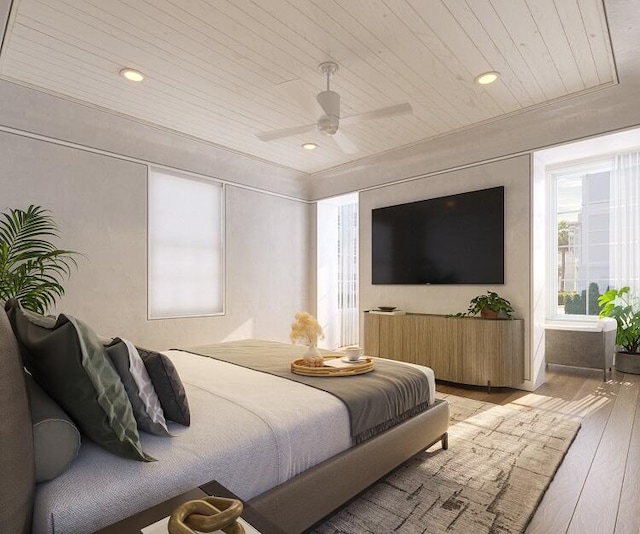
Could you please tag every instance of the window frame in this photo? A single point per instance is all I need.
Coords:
(553, 173)
(222, 214)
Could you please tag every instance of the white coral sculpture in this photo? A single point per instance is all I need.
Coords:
(307, 330)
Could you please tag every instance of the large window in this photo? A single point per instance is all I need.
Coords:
(185, 257)
(595, 232)
(337, 256)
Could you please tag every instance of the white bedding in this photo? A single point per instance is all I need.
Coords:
(249, 430)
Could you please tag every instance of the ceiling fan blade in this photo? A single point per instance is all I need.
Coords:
(344, 143)
(286, 132)
(382, 113)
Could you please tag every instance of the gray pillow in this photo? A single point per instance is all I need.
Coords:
(137, 383)
(56, 439)
(17, 482)
(72, 366)
(168, 386)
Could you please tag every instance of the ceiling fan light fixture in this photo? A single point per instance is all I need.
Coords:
(132, 75)
(487, 77)
(309, 146)
(328, 124)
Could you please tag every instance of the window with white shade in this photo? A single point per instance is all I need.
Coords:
(186, 248)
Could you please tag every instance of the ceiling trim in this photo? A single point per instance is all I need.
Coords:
(158, 127)
(4, 17)
(146, 163)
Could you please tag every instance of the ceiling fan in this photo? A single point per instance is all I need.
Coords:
(330, 121)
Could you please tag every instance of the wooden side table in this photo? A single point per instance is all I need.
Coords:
(135, 523)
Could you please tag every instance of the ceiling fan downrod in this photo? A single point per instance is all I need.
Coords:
(328, 69)
(329, 101)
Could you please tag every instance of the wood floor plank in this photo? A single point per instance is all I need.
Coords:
(598, 504)
(628, 520)
(594, 403)
(566, 382)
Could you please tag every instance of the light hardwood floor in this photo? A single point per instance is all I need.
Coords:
(597, 488)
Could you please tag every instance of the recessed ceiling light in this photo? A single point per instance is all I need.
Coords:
(132, 75)
(309, 146)
(487, 77)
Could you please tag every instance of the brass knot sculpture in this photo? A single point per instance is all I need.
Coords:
(207, 515)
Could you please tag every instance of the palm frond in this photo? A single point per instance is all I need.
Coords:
(31, 266)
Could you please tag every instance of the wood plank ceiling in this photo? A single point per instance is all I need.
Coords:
(222, 71)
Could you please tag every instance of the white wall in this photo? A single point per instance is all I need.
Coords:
(514, 175)
(99, 203)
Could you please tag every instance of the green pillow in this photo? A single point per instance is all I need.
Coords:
(68, 361)
(56, 440)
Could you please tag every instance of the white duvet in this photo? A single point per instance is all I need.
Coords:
(249, 431)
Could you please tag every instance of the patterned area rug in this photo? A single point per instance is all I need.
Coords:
(500, 462)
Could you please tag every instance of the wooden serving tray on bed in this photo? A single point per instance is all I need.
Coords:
(298, 367)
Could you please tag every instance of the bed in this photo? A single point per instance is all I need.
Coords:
(281, 445)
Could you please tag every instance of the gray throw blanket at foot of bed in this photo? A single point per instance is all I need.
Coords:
(378, 400)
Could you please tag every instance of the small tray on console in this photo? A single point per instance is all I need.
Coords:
(351, 369)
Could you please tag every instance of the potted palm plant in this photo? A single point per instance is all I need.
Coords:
(489, 306)
(624, 307)
(31, 267)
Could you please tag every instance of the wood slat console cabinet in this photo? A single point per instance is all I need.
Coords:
(467, 350)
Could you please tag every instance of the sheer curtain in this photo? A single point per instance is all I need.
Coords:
(348, 273)
(337, 274)
(625, 222)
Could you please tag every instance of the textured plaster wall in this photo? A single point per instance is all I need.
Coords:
(99, 203)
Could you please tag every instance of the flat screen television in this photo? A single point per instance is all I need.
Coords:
(457, 239)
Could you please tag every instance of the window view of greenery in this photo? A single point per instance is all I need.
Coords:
(583, 242)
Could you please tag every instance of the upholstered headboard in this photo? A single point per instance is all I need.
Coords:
(17, 480)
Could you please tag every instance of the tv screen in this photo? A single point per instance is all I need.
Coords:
(458, 239)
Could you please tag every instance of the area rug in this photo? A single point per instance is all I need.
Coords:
(500, 462)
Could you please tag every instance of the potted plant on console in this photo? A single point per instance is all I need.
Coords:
(624, 307)
(489, 306)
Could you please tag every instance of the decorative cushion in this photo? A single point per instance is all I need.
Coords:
(137, 383)
(17, 482)
(56, 439)
(168, 386)
(72, 366)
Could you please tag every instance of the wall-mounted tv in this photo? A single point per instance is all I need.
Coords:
(457, 239)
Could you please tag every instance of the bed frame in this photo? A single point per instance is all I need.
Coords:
(294, 506)
(301, 502)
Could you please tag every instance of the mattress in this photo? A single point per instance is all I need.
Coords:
(249, 430)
